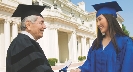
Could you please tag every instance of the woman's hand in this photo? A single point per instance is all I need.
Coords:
(75, 70)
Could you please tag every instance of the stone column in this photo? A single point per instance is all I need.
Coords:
(7, 37)
(53, 43)
(83, 40)
(2, 45)
(72, 44)
(75, 47)
(14, 30)
(79, 46)
(87, 45)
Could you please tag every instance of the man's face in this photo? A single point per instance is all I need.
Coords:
(37, 28)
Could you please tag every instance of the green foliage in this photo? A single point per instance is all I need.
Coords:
(52, 61)
(81, 58)
(124, 30)
(84, 57)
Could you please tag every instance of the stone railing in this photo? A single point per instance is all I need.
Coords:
(84, 28)
(13, 3)
(55, 13)
(59, 15)
(73, 6)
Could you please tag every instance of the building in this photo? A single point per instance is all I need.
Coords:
(69, 34)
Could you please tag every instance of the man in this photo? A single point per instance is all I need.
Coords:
(24, 53)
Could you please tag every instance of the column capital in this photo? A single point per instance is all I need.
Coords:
(74, 32)
(7, 20)
(83, 36)
(13, 22)
(17, 22)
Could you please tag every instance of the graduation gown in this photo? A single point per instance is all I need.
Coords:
(107, 60)
(25, 55)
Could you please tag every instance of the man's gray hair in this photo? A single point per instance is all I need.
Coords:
(31, 18)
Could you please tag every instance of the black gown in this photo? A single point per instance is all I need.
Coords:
(25, 55)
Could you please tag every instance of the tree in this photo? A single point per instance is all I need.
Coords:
(124, 30)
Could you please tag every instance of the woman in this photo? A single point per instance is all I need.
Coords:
(111, 52)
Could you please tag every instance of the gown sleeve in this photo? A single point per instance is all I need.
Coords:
(28, 58)
(86, 66)
(127, 64)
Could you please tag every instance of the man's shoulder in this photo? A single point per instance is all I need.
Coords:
(21, 41)
(21, 37)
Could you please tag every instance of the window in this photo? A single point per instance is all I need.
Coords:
(55, 6)
(82, 22)
(47, 7)
(90, 25)
(72, 14)
(35, 3)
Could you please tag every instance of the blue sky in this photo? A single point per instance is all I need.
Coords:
(126, 5)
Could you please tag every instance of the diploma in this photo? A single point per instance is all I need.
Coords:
(64, 69)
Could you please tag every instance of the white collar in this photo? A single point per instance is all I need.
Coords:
(28, 34)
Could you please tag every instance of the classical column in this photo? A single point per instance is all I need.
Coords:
(7, 36)
(84, 51)
(87, 45)
(75, 47)
(53, 43)
(14, 30)
(72, 44)
(2, 49)
(79, 46)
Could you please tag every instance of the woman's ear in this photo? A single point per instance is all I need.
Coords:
(28, 24)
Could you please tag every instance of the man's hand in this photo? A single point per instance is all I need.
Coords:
(75, 70)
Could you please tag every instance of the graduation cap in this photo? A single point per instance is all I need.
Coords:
(107, 8)
(27, 10)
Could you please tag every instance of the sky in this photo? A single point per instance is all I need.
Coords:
(126, 14)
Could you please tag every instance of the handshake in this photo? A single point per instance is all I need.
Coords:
(75, 70)
(64, 69)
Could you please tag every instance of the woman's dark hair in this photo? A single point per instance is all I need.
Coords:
(113, 27)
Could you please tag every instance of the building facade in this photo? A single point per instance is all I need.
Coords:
(69, 34)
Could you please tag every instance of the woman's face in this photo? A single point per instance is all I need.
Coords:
(102, 23)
